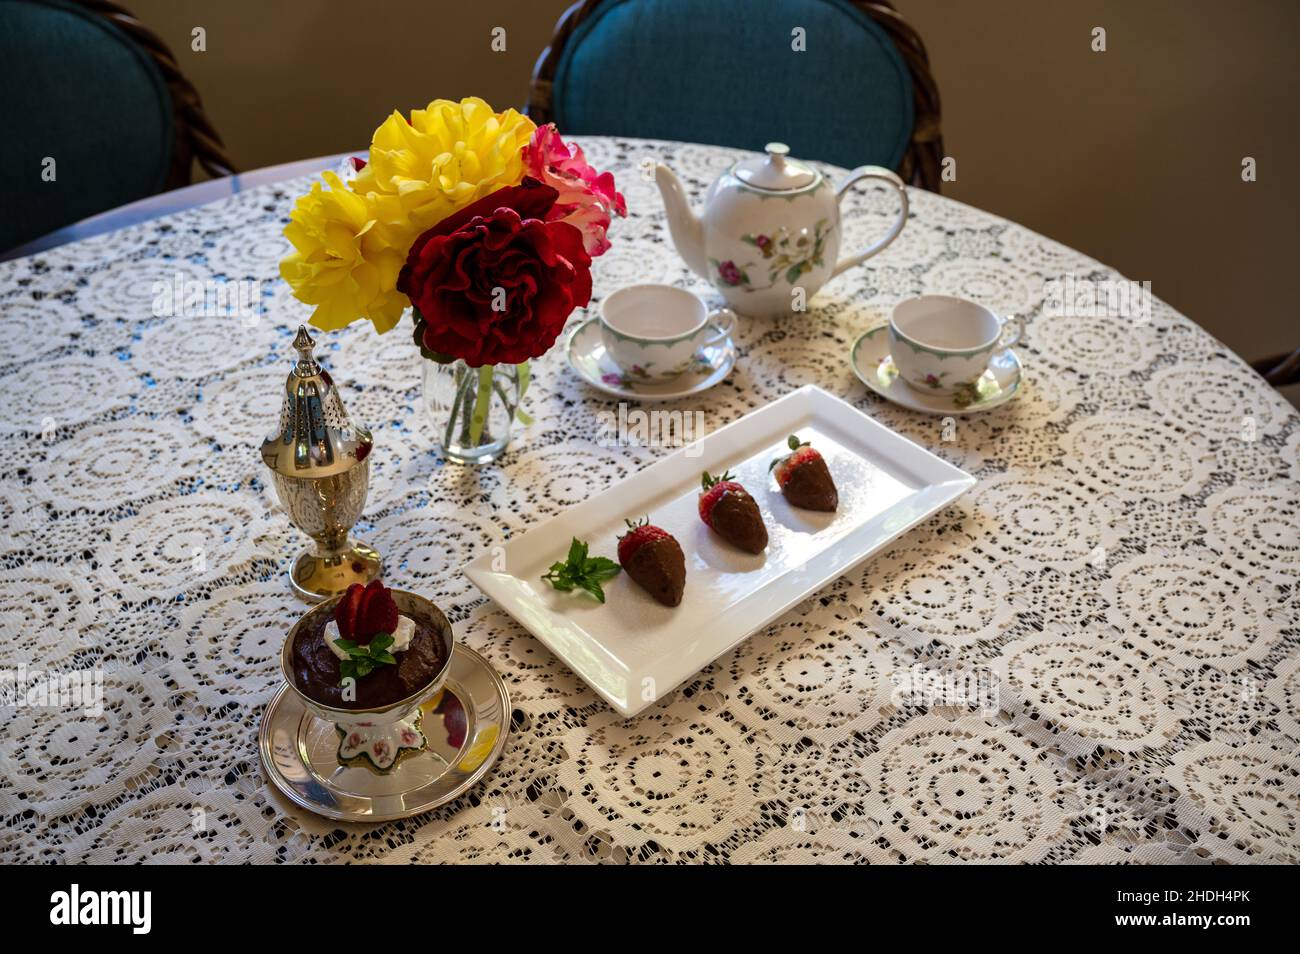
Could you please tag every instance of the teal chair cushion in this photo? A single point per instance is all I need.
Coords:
(724, 72)
(79, 91)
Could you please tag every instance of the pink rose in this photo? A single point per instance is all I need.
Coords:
(587, 199)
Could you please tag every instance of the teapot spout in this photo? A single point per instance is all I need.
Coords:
(685, 227)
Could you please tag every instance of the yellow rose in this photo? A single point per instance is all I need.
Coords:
(445, 157)
(345, 262)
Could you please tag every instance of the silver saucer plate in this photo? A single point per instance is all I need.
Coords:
(300, 752)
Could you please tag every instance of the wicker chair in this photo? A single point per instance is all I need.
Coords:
(97, 92)
(197, 140)
(921, 159)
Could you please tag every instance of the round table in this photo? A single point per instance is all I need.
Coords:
(1125, 577)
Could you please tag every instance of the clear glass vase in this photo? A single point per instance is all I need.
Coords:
(473, 409)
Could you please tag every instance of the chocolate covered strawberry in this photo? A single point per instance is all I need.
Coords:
(729, 511)
(804, 477)
(655, 560)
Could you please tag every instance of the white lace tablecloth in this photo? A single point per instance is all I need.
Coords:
(1127, 570)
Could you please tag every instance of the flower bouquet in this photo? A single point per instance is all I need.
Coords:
(484, 225)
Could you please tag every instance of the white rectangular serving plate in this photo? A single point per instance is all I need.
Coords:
(631, 649)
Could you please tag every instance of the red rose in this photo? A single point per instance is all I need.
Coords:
(494, 283)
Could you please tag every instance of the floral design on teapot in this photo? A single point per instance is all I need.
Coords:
(757, 253)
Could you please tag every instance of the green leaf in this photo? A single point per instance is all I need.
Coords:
(581, 571)
(592, 587)
(601, 569)
(559, 577)
(363, 660)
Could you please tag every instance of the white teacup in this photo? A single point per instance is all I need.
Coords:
(653, 331)
(941, 343)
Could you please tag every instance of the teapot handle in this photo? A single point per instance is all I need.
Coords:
(885, 175)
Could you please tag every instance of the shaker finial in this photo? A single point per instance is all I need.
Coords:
(305, 345)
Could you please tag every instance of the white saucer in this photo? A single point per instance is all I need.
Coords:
(587, 357)
(873, 365)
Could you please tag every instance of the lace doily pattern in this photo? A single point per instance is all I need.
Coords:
(1092, 657)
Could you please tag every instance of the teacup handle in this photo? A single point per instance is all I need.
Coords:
(725, 319)
(1013, 329)
(884, 175)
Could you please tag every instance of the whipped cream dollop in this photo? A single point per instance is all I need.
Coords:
(401, 636)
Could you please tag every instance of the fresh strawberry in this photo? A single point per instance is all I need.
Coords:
(654, 559)
(379, 612)
(364, 612)
(804, 477)
(727, 509)
(345, 612)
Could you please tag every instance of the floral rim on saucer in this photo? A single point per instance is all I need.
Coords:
(874, 366)
(585, 351)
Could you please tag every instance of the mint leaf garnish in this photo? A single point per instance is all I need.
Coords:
(363, 660)
(580, 571)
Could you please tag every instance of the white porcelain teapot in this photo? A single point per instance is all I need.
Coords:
(769, 237)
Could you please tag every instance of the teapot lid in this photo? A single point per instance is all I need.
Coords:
(777, 172)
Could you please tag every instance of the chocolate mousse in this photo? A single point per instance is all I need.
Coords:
(318, 670)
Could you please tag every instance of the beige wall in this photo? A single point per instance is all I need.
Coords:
(1132, 156)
